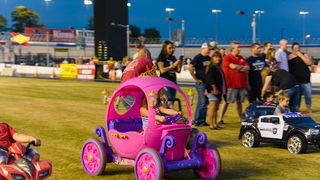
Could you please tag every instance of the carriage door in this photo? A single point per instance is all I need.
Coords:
(271, 127)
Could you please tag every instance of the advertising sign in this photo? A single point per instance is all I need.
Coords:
(63, 35)
(68, 71)
(86, 71)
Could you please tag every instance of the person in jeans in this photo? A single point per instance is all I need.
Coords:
(299, 67)
(197, 69)
(236, 69)
(286, 82)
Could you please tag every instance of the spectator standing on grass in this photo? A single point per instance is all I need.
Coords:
(168, 66)
(282, 54)
(236, 69)
(299, 67)
(197, 69)
(224, 103)
(256, 62)
(215, 89)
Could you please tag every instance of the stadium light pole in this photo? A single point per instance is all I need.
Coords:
(253, 24)
(303, 14)
(216, 12)
(47, 36)
(259, 12)
(169, 11)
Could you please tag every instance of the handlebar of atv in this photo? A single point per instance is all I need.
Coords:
(34, 143)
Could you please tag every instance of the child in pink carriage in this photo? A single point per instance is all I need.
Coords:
(163, 115)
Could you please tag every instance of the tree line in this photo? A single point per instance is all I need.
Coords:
(23, 17)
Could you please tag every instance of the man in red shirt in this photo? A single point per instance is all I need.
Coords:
(142, 64)
(8, 136)
(236, 70)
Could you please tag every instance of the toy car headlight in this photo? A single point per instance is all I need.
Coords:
(17, 177)
(313, 132)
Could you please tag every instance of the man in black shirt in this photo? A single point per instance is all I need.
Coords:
(286, 82)
(299, 67)
(256, 62)
(197, 69)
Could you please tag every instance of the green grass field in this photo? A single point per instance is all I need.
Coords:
(64, 113)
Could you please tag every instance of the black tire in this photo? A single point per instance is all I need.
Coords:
(297, 144)
(250, 139)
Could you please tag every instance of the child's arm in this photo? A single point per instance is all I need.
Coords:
(168, 111)
(26, 138)
(143, 111)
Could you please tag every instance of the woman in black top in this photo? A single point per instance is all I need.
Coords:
(286, 82)
(168, 66)
(215, 89)
(299, 67)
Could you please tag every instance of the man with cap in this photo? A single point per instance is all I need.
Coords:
(197, 69)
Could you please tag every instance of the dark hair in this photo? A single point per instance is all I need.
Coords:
(267, 95)
(254, 45)
(293, 44)
(163, 52)
(266, 43)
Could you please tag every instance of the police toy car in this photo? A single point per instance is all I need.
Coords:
(295, 129)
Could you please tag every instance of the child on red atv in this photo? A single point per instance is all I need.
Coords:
(8, 137)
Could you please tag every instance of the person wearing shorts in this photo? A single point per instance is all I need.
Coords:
(215, 89)
(236, 95)
(236, 69)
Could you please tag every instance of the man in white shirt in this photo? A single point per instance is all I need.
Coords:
(282, 55)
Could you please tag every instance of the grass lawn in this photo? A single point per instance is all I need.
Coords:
(64, 113)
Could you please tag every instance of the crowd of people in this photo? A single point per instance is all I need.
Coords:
(227, 77)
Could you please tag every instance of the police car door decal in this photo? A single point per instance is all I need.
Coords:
(271, 127)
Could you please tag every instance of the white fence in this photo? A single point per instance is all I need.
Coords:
(53, 72)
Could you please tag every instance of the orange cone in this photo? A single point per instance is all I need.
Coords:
(112, 74)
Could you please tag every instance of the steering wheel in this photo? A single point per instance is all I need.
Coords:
(173, 118)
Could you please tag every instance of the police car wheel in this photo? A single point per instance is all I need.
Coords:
(250, 139)
(296, 144)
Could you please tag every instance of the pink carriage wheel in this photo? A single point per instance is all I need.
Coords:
(93, 157)
(211, 163)
(148, 165)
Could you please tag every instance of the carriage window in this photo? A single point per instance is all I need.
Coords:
(123, 103)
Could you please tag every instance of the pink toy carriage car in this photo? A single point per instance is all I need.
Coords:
(152, 151)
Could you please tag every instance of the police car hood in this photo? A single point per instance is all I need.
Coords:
(304, 125)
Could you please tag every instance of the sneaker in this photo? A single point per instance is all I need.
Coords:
(221, 121)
